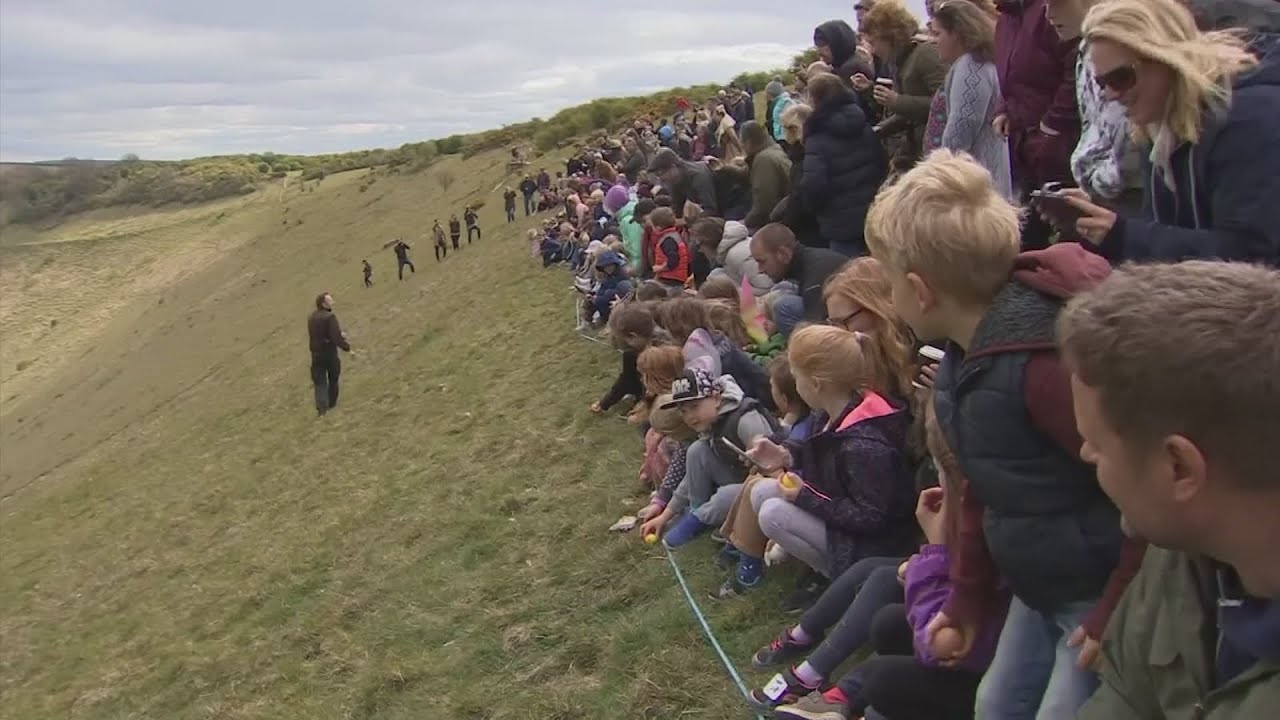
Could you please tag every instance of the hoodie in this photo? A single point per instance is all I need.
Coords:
(632, 232)
(611, 283)
(925, 589)
(1032, 510)
(1218, 198)
(843, 41)
(858, 481)
(750, 426)
(734, 256)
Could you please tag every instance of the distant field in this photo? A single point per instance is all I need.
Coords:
(180, 537)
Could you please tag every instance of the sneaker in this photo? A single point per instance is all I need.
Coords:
(747, 577)
(718, 537)
(811, 587)
(782, 650)
(684, 531)
(728, 557)
(784, 689)
(813, 707)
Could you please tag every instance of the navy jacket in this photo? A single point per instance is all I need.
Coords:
(844, 166)
(1225, 200)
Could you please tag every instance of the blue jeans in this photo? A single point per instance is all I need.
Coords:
(1034, 675)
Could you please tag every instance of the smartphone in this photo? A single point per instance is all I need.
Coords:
(1052, 201)
(743, 454)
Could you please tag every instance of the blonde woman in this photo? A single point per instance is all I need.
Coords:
(1205, 110)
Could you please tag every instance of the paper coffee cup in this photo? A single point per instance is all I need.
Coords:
(932, 353)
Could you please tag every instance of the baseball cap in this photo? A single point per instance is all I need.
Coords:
(694, 384)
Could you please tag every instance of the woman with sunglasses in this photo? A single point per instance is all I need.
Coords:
(1205, 110)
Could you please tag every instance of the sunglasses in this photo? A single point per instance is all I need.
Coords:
(1120, 80)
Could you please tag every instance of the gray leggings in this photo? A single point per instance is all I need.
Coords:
(799, 533)
(847, 608)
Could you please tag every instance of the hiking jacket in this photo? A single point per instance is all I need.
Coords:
(844, 166)
(509, 200)
(632, 233)
(610, 283)
(926, 586)
(1158, 654)
(1033, 510)
(809, 269)
(455, 227)
(750, 425)
(773, 117)
(528, 187)
(770, 172)
(858, 481)
(1220, 199)
(920, 74)
(733, 255)
(1037, 83)
(325, 333)
(792, 210)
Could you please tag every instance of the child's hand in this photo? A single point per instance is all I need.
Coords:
(655, 526)
(768, 454)
(790, 491)
(902, 571)
(931, 516)
(595, 408)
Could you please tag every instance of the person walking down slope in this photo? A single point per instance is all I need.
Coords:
(326, 337)
(368, 274)
(528, 188)
(473, 219)
(455, 231)
(402, 258)
(442, 250)
(509, 203)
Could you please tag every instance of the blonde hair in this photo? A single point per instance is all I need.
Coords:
(1164, 32)
(836, 360)
(1185, 349)
(793, 119)
(945, 221)
(892, 22)
(865, 283)
(726, 319)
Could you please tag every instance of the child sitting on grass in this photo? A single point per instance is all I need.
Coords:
(727, 320)
(856, 497)
(632, 330)
(904, 679)
(667, 439)
(713, 406)
(720, 287)
(764, 353)
(683, 315)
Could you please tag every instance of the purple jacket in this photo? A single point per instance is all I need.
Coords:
(1037, 85)
(927, 588)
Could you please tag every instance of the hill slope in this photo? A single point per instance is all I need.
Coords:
(183, 538)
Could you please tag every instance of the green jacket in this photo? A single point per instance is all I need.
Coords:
(770, 182)
(920, 75)
(632, 233)
(1158, 652)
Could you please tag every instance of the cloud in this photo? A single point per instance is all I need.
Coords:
(100, 78)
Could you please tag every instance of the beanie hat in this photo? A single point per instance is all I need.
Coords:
(773, 89)
(616, 199)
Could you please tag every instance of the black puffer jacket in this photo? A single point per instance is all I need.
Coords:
(844, 166)
(792, 211)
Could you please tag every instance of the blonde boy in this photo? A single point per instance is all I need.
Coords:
(1033, 513)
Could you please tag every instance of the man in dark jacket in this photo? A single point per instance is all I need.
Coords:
(1192, 468)
(326, 337)
(473, 223)
(509, 204)
(770, 172)
(528, 188)
(455, 231)
(402, 258)
(837, 45)
(544, 179)
(781, 257)
(686, 181)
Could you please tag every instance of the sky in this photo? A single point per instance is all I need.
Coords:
(168, 79)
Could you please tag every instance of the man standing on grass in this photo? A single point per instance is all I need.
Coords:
(455, 231)
(473, 223)
(509, 204)
(326, 338)
(402, 258)
(528, 188)
(442, 250)
(368, 274)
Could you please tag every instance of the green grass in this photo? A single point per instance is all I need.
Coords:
(180, 536)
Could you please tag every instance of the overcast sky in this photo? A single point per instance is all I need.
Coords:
(170, 79)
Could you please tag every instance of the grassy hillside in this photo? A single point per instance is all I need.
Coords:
(181, 537)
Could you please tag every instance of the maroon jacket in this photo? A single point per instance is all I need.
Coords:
(1037, 85)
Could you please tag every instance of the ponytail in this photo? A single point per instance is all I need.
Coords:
(876, 374)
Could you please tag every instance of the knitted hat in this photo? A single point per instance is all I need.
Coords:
(616, 199)
(774, 89)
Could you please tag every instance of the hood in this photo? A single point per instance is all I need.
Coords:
(840, 37)
(1024, 314)
(626, 212)
(1061, 271)
(1253, 15)
(734, 233)
(843, 119)
(731, 394)
(607, 258)
(1267, 47)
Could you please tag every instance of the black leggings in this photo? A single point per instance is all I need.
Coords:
(845, 611)
(442, 251)
(454, 238)
(401, 267)
(476, 230)
(898, 687)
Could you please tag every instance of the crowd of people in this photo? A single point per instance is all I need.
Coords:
(960, 321)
